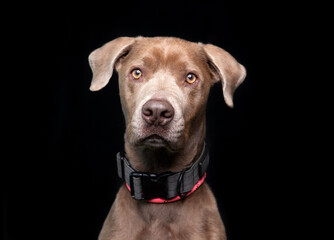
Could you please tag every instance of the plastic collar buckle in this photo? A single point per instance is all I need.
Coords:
(148, 185)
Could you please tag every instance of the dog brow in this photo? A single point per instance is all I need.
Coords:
(159, 58)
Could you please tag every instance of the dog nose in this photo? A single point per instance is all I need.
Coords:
(157, 112)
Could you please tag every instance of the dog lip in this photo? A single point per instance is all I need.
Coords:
(154, 137)
(155, 140)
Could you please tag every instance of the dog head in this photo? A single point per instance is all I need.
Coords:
(164, 85)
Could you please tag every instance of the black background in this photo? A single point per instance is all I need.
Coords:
(60, 180)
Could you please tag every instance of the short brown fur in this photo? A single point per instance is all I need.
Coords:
(165, 63)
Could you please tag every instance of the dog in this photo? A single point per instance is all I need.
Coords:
(164, 84)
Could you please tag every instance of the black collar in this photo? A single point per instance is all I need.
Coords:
(164, 187)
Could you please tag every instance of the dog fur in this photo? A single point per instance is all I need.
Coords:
(164, 64)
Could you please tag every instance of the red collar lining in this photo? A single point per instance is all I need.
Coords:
(161, 200)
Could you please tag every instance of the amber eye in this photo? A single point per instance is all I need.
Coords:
(136, 74)
(191, 78)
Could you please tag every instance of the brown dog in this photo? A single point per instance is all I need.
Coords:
(164, 85)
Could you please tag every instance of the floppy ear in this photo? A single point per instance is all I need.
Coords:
(230, 72)
(102, 60)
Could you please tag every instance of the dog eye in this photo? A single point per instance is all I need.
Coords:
(136, 74)
(191, 78)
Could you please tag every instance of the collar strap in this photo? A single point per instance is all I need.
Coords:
(164, 187)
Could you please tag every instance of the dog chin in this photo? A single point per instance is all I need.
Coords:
(156, 137)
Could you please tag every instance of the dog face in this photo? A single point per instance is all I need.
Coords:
(164, 85)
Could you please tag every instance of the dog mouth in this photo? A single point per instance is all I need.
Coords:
(155, 140)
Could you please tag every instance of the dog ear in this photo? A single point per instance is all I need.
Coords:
(230, 72)
(103, 59)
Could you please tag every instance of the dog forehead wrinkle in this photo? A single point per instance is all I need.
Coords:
(164, 53)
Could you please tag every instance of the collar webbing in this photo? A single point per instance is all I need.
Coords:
(164, 187)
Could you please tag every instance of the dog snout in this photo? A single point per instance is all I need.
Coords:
(157, 112)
